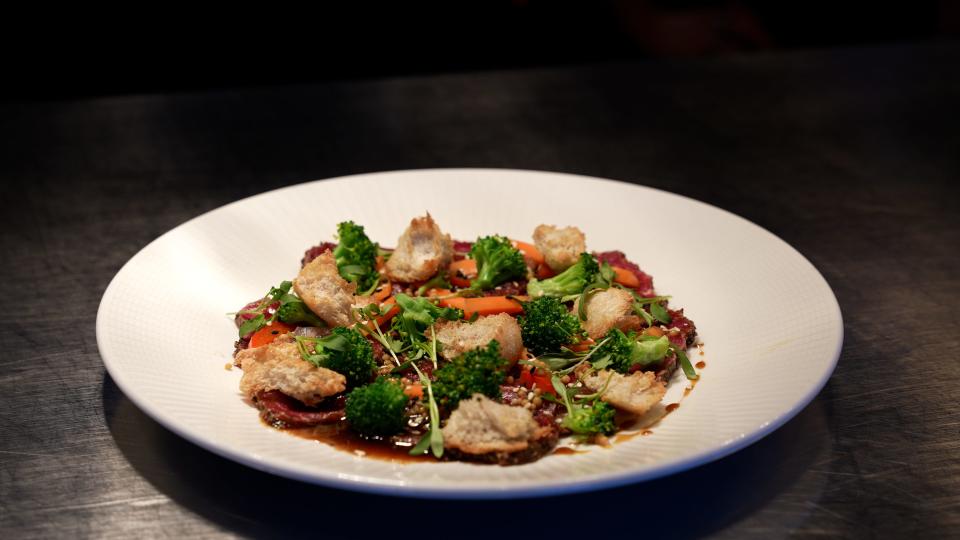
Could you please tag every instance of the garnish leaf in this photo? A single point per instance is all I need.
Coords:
(659, 313)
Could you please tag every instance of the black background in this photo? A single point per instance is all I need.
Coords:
(849, 152)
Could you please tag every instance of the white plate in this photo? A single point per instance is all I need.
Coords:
(770, 323)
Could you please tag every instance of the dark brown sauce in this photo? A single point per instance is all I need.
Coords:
(624, 437)
(345, 440)
(341, 438)
(566, 451)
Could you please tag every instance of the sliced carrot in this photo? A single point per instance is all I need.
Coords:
(467, 267)
(654, 331)
(485, 305)
(625, 277)
(414, 391)
(538, 379)
(529, 251)
(390, 313)
(383, 292)
(437, 292)
(269, 333)
(459, 281)
(462, 271)
(455, 302)
(583, 345)
(385, 316)
(545, 272)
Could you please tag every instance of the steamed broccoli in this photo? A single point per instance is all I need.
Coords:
(569, 282)
(590, 420)
(477, 371)
(589, 416)
(296, 312)
(547, 325)
(345, 351)
(377, 409)
(620, 351)
(497, 261)
(356, 256)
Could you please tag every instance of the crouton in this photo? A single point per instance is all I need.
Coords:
(278, 366)
(608, 309)
(422, 251)
(458, 337)
(560, 247)
(635, 393)
(322, 289)
(481, 429)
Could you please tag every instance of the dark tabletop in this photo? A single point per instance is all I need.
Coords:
(851, 156)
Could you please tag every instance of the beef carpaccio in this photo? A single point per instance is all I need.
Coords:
(489, 351)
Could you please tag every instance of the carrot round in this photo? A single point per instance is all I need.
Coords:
(269, 333)
(529, 251)
(625, 277)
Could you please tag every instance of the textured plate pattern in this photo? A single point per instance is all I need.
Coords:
(770, 322)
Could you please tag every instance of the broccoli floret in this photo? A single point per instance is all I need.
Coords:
(377, 408)
(345, 351)
(620, 351)
(569, 282)
(547, 325)
(296, 312)
(356, 256)
(497, 261)
(590, 420)
(477, 371)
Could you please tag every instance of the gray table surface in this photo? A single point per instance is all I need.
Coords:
(851, 156)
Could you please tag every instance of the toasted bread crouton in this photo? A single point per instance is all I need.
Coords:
(278, 366)
(608, 309)
(560, 247)
(422, 251)
(322, 289)
(481, 426)
(458, 337)
(635, 393)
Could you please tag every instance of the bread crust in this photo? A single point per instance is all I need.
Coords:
(560, 246)
(636, 393)
(458, 337)
(278, 366)
(607, 309)
(422, 251)
(481, 429)
(325, 292)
